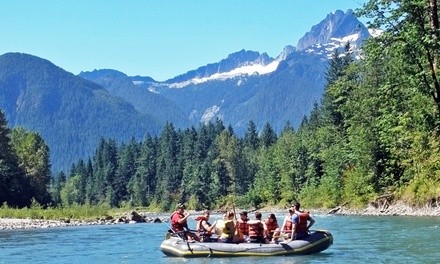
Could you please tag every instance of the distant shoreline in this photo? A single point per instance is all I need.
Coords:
(398, 209)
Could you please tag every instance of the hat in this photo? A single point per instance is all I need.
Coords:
(180, 205)
(243, 213)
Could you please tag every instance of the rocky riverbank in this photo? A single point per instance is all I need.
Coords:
(395, 209)
(130, 218)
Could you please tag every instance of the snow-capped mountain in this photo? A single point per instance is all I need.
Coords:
(249, 85)
(333, 33)
(244, 62)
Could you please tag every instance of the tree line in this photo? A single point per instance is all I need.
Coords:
(375, 131)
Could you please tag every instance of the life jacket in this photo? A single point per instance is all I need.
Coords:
(199, 226)
(175, 225)
(256, 229)
(271, 226)
(227, 232)
(243, 227)
(288, 225)
(302, 222)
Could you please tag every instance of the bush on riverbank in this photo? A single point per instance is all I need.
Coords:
(35, 211)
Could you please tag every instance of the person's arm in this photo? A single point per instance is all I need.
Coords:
(283, 227)
(207, 227)
(183, 219)
(295, 221)
(311, 222)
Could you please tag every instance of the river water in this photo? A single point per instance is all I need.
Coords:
(357, 239)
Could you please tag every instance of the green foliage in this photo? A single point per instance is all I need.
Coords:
(423, 171)
(33, 157)
(84, 212)
(357, 188)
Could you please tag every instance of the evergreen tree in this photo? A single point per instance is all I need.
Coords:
(268, 136)
(126, 170)
(251, 140)
(13, 183)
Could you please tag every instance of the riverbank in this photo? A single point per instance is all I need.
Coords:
(397, 209)
(28, 223)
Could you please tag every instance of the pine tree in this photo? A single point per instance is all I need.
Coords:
(13, 183)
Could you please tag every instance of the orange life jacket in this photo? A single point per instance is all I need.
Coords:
(243, 227)
(271, 226)
(199, 226)
(302, 222)
(256, 229)
(175, 225)
(288, 225)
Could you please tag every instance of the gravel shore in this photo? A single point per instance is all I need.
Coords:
(398, 209)
(17, 223)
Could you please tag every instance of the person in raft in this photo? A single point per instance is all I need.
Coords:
(286, 229)
(301, 222)
(273, 229)
(243, 227)
(227, 228)
(204, 228)
(257, 230)
(179, 224)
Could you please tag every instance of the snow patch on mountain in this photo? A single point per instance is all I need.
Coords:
(137, 83)
(210, 113)
(328, 49)
(251, 69)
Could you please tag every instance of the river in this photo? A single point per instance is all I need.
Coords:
(357, 239)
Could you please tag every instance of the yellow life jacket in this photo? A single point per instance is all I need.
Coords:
(227, 232)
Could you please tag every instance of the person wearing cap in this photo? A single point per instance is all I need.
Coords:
(243, 227)
(179, 222)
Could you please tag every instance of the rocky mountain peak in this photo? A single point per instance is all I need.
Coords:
(336, 27)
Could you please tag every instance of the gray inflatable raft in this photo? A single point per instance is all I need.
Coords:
(316, 242)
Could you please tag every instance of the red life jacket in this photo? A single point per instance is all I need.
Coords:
(271, 226)
(256, 229)
(302, 222)
(175, 225)
(243, 227)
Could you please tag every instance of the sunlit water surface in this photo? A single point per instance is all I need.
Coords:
(356, 240)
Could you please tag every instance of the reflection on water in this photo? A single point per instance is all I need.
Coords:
(356, 240)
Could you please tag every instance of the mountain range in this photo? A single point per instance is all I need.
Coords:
(73, 112)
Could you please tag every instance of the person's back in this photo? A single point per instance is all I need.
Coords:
(257, 229)
(243, 227)
(228, 230)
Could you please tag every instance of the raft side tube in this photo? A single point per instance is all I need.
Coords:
(316, 242)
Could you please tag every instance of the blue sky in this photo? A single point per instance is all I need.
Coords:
(156, 38)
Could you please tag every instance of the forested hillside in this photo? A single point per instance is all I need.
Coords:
(69, 112)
